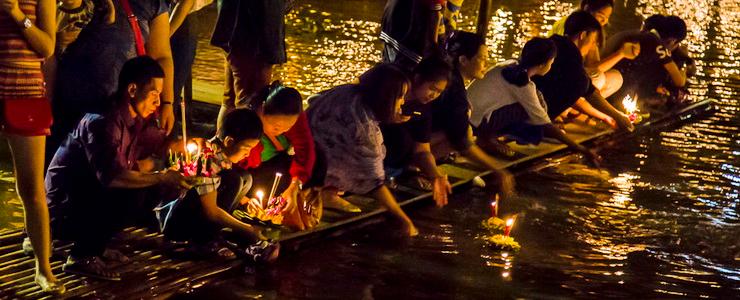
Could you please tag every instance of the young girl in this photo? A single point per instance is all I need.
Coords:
(27, 33)
(450, 113)
(507, 102)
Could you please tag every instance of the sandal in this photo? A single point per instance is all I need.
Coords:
(264, 251)
(50, 287)
(92, 267)
(115, 256)
(497, 148)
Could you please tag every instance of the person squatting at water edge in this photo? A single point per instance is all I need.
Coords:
(658, 75)
(451, 112)
(286, 146)
(204, 210)
(567, 84)
(507, 103)
(27, 37)
(407, 144)
(106, 165)
(349, 143)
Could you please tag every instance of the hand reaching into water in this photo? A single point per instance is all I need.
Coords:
(442, 189)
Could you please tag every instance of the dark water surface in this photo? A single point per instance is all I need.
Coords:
(659, 220)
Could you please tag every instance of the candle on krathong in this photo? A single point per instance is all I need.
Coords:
(494, 207)
(509, 224)
(192, 151)
(630, 107)
(260, 197)
(274, 185)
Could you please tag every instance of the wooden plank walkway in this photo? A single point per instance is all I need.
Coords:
(157, 270)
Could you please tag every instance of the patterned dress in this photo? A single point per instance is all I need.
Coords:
(20, 66)
(348, 136)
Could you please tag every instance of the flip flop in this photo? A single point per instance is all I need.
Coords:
(92, 267)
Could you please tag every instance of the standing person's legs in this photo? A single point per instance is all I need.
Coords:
(184, 43)
(28, 161)
(251, 74)
(228, 102)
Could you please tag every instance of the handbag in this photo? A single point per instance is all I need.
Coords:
(27, 115)
(133, 21)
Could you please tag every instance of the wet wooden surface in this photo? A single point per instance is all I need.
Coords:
(158, 269)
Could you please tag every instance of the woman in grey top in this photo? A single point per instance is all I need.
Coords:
(345, 121)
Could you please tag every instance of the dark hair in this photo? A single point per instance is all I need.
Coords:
(431, 69)
(536, 51)
(581, 21)
(668, 27)
(596, 5)
(652, 22)
(277, 99)
(463, 43)
(241, 124)
(381, 86)
(673, 27)
(138, 70)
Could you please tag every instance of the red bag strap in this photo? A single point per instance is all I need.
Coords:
(134, 22)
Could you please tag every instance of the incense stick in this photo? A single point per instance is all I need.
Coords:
(274, 185)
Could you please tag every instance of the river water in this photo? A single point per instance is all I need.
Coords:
(660, 219)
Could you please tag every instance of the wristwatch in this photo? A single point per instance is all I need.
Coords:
(27, 23)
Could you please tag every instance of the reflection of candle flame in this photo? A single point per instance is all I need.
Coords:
(505, 274)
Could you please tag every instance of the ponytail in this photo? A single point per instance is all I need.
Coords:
(536, 52)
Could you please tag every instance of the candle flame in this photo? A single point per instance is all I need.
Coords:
(259, 194)
(192, 147)
(509, 222)
(630, 105)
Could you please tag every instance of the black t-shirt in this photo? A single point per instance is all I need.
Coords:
(647, 70)
(400, 139)
(451, 113)
(567, 80)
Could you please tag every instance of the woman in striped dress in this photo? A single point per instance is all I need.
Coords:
(27, 29)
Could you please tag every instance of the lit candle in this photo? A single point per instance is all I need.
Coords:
(192, 149)
(260, 196)
(630, 107)
(509, 224)
(494, 207)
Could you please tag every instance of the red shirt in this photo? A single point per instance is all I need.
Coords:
(301, 139)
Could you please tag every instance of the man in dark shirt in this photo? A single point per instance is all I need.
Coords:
(655, 64)
(94, 180)
(567, 81)
(409, 142)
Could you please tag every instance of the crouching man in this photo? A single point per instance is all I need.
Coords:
(97, 183)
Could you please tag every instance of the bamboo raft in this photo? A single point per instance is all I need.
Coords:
(157, 272)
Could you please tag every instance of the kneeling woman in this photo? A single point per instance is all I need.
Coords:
(345, 123)
(286, 147)
(506, 102)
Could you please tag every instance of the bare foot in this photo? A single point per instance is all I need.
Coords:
(411, 230)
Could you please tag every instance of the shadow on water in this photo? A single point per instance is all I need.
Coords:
(660, 219)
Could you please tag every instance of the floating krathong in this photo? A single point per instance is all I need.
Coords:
(630, 107)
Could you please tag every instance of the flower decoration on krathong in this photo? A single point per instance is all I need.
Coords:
(196, 162)
(268, 209)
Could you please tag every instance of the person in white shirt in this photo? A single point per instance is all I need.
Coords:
(506, 102)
